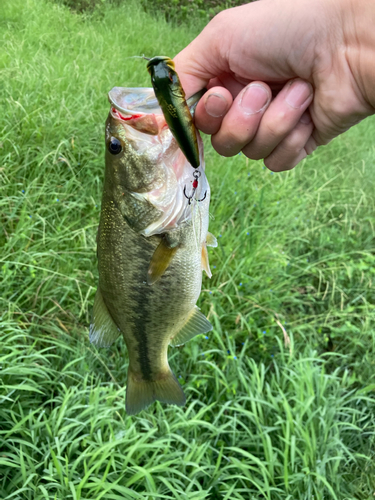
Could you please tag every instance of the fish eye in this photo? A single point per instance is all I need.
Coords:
(114, 146)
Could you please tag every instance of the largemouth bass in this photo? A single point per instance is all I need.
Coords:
(152, 246)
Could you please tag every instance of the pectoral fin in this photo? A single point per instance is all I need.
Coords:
(211, 241)
(205, 263)
(160, 261)
(103, 331)
(196, 323)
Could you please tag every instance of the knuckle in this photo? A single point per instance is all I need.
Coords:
(282, 160)
(254, 151)
(210, 127)
(310, 146)
(224, 149)
(227, 145)
(293, 145)
(219, 18)
(253, 154)
(338, 110)
(275, 165)
(295, 141)
(278, 127)
(272, 165)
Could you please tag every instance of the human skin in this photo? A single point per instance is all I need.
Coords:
(284, 76)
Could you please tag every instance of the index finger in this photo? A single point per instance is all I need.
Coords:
(202, 60)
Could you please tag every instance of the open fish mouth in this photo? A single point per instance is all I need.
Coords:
(138, 108)
(129, 100)
(145, 128)
(147, 123)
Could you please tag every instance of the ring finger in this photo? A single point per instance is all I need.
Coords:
(293, 148)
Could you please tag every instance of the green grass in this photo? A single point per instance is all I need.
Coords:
(296, 251)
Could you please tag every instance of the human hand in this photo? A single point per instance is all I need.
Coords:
(283, 76)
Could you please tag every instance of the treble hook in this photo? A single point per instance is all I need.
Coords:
(196, 176)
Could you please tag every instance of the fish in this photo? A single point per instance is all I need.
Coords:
(151, 246)
(171, 98)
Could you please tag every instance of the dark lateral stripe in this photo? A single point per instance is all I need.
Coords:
(142, 296)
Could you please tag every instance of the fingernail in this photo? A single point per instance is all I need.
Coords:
(305, 118)
(216, 105)
(254, 99)
(298, 93)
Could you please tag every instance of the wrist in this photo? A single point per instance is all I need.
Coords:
(359, 32)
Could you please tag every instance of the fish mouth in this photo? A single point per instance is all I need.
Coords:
(147, 123)
(137, 100)
(137, 108)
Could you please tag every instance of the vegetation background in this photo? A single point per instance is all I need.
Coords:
(296, 255)
(175, 11)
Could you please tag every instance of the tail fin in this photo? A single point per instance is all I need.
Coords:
(141, 393)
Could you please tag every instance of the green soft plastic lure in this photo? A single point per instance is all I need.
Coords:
(171, 98)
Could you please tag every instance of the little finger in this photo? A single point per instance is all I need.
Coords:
(292, 149)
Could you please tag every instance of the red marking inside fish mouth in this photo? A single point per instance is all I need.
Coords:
(144, 122)
(122, 117)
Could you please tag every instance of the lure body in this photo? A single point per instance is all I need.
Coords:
(171, 98)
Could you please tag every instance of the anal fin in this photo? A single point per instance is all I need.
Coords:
(160, 261)
(195, 324)
(141, 393)
(205, 262)
(103, 331)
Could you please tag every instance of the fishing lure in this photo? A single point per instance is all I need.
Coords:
(171, 98)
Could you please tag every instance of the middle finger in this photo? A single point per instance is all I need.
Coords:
(280, 118)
